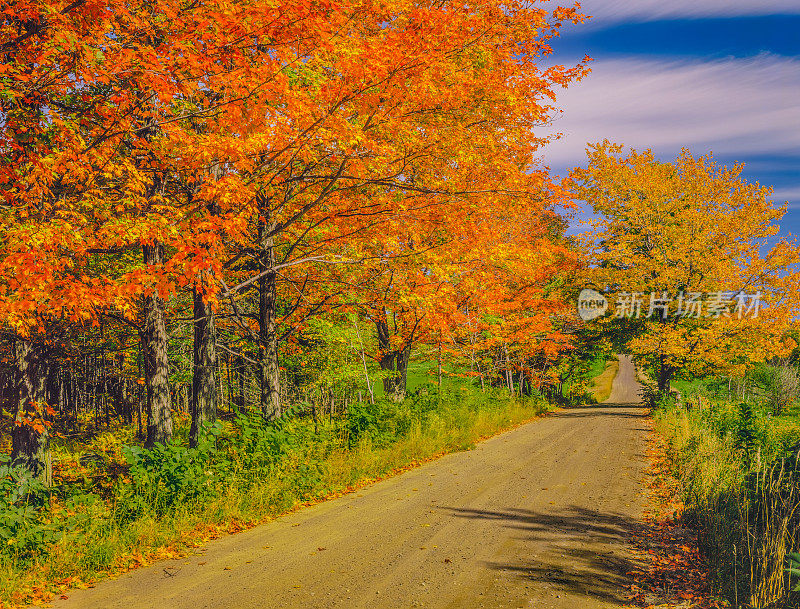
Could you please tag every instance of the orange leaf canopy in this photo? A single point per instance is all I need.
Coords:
(134, 123)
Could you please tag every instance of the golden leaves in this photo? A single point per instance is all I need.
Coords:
(689, 226)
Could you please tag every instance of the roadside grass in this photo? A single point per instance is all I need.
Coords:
(674, 570)
(108, 523)
(603, 375)
(592, 383)
(711, 475)
(740, 483)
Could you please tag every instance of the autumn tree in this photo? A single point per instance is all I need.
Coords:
(688, 253)
(434, 126)
(486, 283)
(152, 149)
(102, 104)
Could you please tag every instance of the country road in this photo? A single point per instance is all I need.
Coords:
(536, 517)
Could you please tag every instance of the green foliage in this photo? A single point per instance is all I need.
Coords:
(170, 473)
(794, 569)
(427, 398)
(260, 445)
(385, 421)
(660, 400)
(740, 476)
(374, 421)
(577, 370)
(23, 499)
(747, 430)
(335, 358)
(241, 470)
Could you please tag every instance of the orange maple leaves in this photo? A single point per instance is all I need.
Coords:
(672, 568)
(367, 128)
(35, 415)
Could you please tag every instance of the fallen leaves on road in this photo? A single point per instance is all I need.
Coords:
(673, 574)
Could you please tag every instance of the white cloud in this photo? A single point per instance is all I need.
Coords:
(736, 108)
(790, 195)
(605, 12)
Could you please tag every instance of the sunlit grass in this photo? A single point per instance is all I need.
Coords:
(107, 542)
(744, 526)
(604, 381)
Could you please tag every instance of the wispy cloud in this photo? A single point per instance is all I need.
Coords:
(790, 195)
(734, 107)
(612, 11)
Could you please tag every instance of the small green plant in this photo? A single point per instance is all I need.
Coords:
(374, 421)
(747, 431)
(168, 473)
(426, 398)
(261, 445)
(23, 499)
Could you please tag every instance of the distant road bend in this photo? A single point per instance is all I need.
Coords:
(535, 517)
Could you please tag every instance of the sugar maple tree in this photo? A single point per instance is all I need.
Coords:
(475, 289)
(221, 147)
(409, 120)
(513, 292)
(687, 228)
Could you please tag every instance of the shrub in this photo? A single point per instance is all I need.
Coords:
(747, 430)
(377, 421)
(259, 445)
(26, 522)
(169, 473)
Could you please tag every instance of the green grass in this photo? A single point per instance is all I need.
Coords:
(692, 386)
(113, 532)
(603, 381)
(597, 367)
(421, 372)
(706, 387)
(594, 382)
(718, 448)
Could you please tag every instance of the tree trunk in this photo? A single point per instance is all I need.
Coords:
(241, 382)
(394, 385)
(364, 363)
(268, 347)
(664, 375)
(31, 439)
(439, 368)
(509, 376)
(156, 362)
(204, 387)
(393, 361)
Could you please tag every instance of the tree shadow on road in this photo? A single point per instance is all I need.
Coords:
(625, 410)
(579, 551)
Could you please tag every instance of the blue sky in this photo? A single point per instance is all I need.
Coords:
(711, 75)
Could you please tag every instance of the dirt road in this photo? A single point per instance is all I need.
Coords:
(537, 517)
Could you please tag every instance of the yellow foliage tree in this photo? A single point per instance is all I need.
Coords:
(688, 252)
